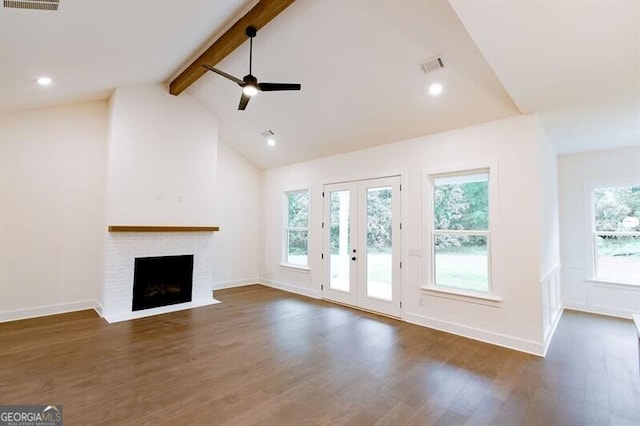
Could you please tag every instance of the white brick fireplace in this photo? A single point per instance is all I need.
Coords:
(122, 248)
(161, 172)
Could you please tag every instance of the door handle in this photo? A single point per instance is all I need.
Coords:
(353, 258)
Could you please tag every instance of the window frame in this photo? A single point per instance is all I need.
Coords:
(594, 233)
(286, 229)
(429, 279)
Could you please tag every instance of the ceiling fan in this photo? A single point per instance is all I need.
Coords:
(249, 83)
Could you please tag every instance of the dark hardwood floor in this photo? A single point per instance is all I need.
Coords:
(268, 357)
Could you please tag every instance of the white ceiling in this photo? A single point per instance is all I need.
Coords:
(362, 86)
(576, 64)
(90, 47)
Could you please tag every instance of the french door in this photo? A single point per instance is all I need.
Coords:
(362, 244)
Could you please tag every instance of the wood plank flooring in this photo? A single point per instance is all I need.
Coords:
(264, 357)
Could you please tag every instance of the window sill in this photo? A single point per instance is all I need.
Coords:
(295, 267)
(604, 283)
(461, 296)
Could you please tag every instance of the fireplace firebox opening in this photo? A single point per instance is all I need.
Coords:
(162, 281)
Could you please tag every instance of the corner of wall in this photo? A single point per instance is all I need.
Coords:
(292, 288)
(238, 212)
(552, 308)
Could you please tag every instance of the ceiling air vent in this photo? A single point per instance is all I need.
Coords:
(433, 64)
(32, 4)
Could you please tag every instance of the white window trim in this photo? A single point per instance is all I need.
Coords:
(285, 234)
(463, 296)
(295, 267)
(428, 281)
(611, 284)
(592, 234)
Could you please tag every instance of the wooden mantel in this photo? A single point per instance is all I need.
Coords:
(160, 228)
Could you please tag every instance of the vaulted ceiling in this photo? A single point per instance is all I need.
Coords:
(576, 65)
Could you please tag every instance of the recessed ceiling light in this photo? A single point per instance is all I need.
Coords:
(435, 89)
(269, 137)
(43, 81)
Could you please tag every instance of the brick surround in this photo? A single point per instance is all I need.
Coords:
(123, 248)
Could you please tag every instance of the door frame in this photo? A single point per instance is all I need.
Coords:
(357, 296)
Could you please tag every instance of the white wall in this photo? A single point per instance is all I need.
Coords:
(513, 144)
(162, 161)
(56, 164)
(549, 205)
(578, 174)
(239, 215)
(549, 231)
(162, 158)
(52, 180)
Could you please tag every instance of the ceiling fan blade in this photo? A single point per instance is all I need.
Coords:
(275, 87)
(244, 100)
(224, 74)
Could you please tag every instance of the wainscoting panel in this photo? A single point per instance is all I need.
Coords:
(583, 294)
(551, 303)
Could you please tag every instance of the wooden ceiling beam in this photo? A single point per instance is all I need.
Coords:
(258, 17)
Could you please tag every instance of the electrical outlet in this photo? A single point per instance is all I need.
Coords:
(421, 301)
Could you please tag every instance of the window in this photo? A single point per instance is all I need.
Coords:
(616, 234)
(460, 237)
(296, 239)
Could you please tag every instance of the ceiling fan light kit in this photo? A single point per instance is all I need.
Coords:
(250, 90)
(249, 83)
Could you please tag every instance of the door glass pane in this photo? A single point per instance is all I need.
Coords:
(618, 258)
(461, 262)
(379, 253)
(339, 240)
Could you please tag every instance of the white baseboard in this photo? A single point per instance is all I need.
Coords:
(498, 339)
(62, 308)
(291, 288)
(548, 335)
(40, 311)
(234, 283)
(97, 306)
(111, 318)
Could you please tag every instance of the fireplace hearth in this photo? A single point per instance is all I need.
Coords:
(162, 281)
